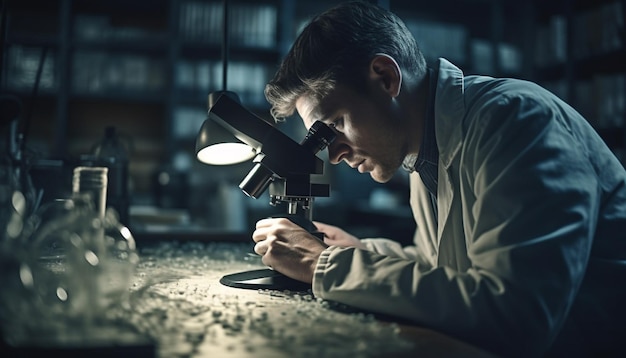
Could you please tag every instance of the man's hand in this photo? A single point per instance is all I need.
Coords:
(287, 248)
(336, 236)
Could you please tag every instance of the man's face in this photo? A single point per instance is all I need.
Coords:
(370, 137)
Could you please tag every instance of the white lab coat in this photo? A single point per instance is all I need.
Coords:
(530, 201)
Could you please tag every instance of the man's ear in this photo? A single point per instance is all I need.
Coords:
(385, 70)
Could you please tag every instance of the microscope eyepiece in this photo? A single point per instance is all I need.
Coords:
(319, 137)
(258, 179)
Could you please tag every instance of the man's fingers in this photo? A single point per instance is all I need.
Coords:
(260, 234)
(262, 246)
(264, 223)
(273, 226)
(267, 222)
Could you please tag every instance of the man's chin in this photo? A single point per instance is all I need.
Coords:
(380, 177)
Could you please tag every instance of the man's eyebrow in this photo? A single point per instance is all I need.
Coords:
(320, 114)
(316, 114)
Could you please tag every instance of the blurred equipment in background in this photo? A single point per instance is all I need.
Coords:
(15, 164)
(113, 152)
(171, 186)
(10, 109)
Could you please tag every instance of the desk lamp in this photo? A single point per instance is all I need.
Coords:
(280, 164)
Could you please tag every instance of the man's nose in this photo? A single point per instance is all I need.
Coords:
(337, 151)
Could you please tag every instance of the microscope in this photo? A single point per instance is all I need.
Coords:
(284, 166)
(288, 174)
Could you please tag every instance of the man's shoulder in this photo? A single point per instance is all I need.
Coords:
(450, 76)
(486, 85)
(483, 92)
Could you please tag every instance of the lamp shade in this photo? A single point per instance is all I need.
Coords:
(215, 145)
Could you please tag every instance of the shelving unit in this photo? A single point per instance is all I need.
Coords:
(139, 65)
(581, 56)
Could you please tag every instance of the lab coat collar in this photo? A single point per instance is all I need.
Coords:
(449, 108)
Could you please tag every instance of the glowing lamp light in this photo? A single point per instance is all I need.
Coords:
(226, 153)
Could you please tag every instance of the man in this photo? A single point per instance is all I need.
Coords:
(520, 206)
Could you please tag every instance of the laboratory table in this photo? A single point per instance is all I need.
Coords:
(178, 308)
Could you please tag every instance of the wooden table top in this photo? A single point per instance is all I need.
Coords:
(178, 308)
(208, 319)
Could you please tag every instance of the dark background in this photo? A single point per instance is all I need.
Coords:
(146, 67)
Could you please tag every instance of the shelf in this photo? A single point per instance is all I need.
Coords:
(133, 7)
(550, 73)
(583, 43)
(613, 137)
(190, 49)
(612, 62)
(132, 96)
(139, 45)
(546, 9)
(32, 40)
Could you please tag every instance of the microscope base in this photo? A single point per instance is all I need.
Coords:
(267, 279)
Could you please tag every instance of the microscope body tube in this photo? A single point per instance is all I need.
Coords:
(294, 181)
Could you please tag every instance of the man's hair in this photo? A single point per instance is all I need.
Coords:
(336, 47)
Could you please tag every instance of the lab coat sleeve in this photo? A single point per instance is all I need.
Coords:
(530, 202)
(389, 247)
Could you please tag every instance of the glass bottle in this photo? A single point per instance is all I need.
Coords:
(112, 152)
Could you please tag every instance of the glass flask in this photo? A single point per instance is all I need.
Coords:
(79, 267)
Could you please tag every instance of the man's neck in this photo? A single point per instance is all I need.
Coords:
(414, 98)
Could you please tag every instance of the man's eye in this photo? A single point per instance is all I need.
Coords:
(336, 123)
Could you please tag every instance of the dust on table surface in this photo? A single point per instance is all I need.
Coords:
(177, 301)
